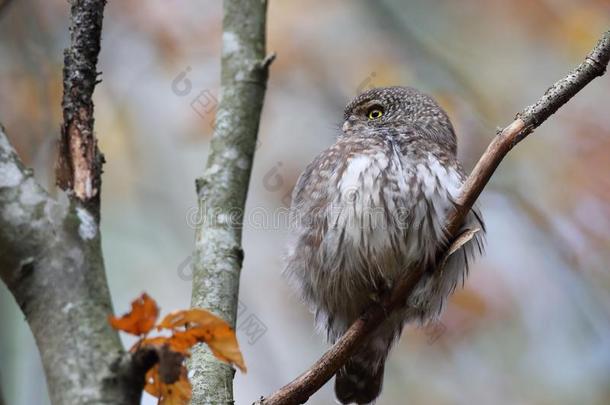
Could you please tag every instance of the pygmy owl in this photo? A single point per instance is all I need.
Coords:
(369, 209)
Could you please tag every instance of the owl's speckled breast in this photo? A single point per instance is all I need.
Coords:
(385, 203)
(370, 208)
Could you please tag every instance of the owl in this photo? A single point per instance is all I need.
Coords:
(368, 210)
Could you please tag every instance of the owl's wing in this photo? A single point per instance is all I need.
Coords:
(312, 193)
(308, 221)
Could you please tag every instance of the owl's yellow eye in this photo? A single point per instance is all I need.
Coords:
(375, 114)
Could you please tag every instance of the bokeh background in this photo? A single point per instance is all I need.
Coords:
(531, 326)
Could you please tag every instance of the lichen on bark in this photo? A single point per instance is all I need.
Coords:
(57, 278)
(223, 187)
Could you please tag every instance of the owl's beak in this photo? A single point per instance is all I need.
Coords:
(346, 126)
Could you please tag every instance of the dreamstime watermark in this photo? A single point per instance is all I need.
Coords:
(205, 105)
(349, 212)
(273, 181)
(205, 102)
(248, 324)
(366, 83)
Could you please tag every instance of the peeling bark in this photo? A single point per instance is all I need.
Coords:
(223, 187)
(79, 163)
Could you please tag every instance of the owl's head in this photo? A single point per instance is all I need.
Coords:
(388, 111)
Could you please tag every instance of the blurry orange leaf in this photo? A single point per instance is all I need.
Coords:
(203, 326)
(154, 341)
(223, 343)
(140, 320)
(168, 380)
(177, 393)
(197, 316)
(152, 384)
(179, 342)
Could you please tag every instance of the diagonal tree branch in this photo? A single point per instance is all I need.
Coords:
(79, 164)
(594, 65)
(223, 187)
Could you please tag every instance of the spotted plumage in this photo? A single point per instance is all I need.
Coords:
(367, 210)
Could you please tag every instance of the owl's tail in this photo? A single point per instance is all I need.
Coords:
(360, 380)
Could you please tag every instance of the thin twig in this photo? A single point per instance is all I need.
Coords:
(299, 390)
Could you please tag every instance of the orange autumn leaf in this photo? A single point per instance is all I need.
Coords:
(203, 326)
(152, 383)
(168, 380)
(154, 341)
(177, 393)
(197, 316)
(179, 342)
(182, 341)
(140, 320)
(222, 342)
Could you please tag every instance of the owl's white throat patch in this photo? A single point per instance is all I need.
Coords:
(358, 206)
(365, 204)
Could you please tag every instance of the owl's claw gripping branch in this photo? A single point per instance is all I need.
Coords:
(457, 243)
(594, 65)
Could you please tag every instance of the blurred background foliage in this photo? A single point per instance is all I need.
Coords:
(532, 324)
